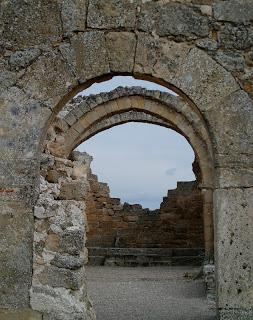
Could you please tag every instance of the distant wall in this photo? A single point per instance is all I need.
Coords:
(177, 224)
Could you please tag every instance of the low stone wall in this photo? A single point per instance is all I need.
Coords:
(146, 257)
(177, 224)
(58, 289)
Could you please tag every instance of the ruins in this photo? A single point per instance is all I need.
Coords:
(160, 236)
(51, 51)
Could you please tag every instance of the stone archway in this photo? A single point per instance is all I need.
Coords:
(87, 116)
(79, 120)
(74, 44)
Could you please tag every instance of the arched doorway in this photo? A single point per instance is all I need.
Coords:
(136, 254)
(136, 104)
(84, 118)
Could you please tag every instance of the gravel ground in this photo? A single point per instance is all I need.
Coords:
(151, 293)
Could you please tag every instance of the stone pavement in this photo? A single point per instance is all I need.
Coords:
(151, 293)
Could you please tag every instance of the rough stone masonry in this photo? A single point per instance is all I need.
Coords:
(177, 223)
(202, 49)
(58, 285)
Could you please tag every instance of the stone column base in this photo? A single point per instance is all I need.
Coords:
(235, 314)
(24, 314)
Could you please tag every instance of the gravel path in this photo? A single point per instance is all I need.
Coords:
(151, 293)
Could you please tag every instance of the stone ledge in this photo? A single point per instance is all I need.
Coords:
(24, 314)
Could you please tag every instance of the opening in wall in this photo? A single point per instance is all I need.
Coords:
(129, 228)
(168, 235)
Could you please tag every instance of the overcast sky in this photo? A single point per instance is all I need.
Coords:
(139, 161)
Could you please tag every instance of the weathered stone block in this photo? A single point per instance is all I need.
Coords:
(207, 44)
(159, 57)
(112, 14)
(173, 19)
(234, 229)
(87, 55)
(236, 36)
(52, 242)
(72, 241)
(73, 15)
(16, 235)
(232, 131)
(20, 133)
(52, 88)
(60, 303)
(19, 172)
(23, 314)
(232, 61)
(80, 172)
(59, 277)
(70, 118)
(235, 314)
(68, 261)
(200, 75)
(74, 190)
(81, 157)
(7, 77)
(234, 176)
(237, 11)
(206, 9)
(46, 161)
(22, 59)
(53, 176)
(35, 21)
(121, 51)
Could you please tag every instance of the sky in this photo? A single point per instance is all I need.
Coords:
(139, 161)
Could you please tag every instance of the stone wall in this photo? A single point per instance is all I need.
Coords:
(58, 289)
(178, 223)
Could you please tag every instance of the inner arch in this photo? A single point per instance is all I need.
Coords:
(153, 157)
(84, 114)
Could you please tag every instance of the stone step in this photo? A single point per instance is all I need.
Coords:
(145, 257)
(147, 251)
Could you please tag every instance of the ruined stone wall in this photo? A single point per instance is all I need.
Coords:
(178, 223)
(58, 286)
